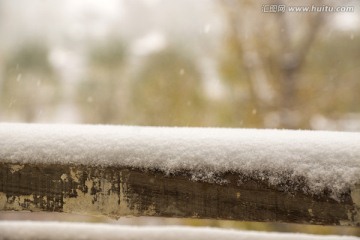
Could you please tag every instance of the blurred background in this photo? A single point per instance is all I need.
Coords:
(208, 63)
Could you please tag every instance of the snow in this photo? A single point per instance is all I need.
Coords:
(152, 42)
(55, 230)
(325, 160)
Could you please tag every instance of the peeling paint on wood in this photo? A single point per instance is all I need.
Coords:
(116, 192)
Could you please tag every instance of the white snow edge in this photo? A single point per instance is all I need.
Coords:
(324, 159)
(56, 230)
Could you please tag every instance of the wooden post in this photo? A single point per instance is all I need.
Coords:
(115, 192)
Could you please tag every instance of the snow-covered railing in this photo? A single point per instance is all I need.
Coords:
(241, 174)
(68, 231)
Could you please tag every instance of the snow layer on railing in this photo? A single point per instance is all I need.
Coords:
(86, 231)
(324, 160)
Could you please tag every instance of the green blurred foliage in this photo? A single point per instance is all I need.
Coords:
(168, 91)
(330, 80)
(30, 87)
(108, 55)
(101, 93)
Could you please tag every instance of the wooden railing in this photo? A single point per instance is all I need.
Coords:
(115, 191)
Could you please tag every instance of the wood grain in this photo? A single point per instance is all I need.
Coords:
(116, 192)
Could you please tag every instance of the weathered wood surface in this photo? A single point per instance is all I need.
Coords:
(119, 192)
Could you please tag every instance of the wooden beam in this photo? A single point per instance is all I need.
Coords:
(115, 192)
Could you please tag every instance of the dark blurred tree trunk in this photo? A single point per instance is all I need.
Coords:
(291, 61)
(278, 71)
